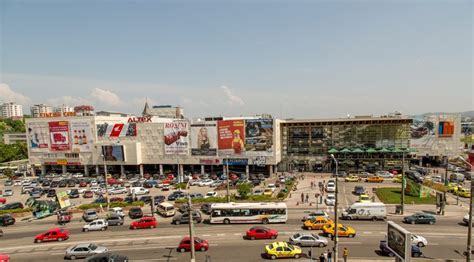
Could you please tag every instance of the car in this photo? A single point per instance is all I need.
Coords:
(54, 184)
(62, 183)
(205, 182)
(418, 240)
(51, 193)
(268, 192)
(96, 225)
(165, 187)
(109, 257)
(374, 179)
(453, 187)
(55, 234)
(359, 190)
(463, 192)
(177, 194)
(282, 250)
(139, 191)
(184, 218)
(90, 215)
(13, 205)
(364, 199)
(415, 176)
(330, 200)
(331, 187)
(465, 219)
(196, 195)
(135, 212)
(3, 200)
(118, 190)
(420, 218)
(144, 222)
(415, 250)
(8, 183)
(88, 194)
(397, 179)
(317, 223)
(159, 199)
(258, 192)
(82, 183)
(117, 211)
(195, 182)
(217, 183)
(308, 240)
(342, 231)
(206, 208)
(352, 178)
(6, 220)
(312, 215)
(145, 199)
(211, 194)
(114, 220)
(83, 251)
(261, 232)
(7, 192)
(384, 174)
(184, 208)
(199, 244)
(74, 193)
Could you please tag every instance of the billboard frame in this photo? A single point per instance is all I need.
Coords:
(392, 226)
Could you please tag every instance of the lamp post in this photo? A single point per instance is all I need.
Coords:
(336, 219)
(106, 184)
(469, 231)
(227, 176)
(191, 223)
(403, 183)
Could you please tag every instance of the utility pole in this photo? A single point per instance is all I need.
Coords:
(336, 219)
(191, 230)
(403, 183)
(106, 183)
(445, 200)
(469, 230)
(227, 176)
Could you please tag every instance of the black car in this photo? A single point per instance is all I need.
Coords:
(184, 218)
(415, 250)
(128, 199)
(71, 183)
(6, 220)
(107, 257)
(74, 193)
(175, 195)
(14, 205)
(256, 182)
(206, 208)
(51, 193)
(415, 176)
(359, 190)
(62, 183)
(100, 200)
(135, 212)
(159, 199)
(46, 183)
(420, 218)
(114, 220)
(54, 184)
(145, 199)
(184, 208)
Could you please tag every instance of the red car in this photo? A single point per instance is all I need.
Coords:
(82, 184)
(113, 181)
(260, 232)
(88, 194)
(116, 199)
(4, 258)
(199, 244)
(3, 200)
(146, 176)
(233, 176)
(144, 222)
(55, 234)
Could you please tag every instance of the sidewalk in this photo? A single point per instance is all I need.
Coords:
(304, 186)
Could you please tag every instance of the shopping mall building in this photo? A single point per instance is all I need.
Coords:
(146, 144)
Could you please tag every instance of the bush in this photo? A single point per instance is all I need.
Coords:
(244, 190)
(436, 186)
(112, 204)
(180, 185)
(205, 200)
(14, 211)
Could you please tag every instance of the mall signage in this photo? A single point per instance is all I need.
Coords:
(236, 162)
(209, 161)
(140, 119)
(58, 114)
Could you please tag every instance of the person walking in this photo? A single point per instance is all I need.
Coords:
(321, 258)
(307, 198)
(302, 197)
(325, 254)
(329, 256)
(345, 254)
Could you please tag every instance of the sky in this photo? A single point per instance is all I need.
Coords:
(290, 59)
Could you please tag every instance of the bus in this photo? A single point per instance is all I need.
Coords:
(265, 212)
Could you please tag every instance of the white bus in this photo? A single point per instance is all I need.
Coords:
(265, 212)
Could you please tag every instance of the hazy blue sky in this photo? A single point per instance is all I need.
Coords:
(288, 58)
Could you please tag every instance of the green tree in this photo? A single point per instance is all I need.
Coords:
(9, 173)
(244, 189)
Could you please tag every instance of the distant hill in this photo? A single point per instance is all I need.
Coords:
(466, 114)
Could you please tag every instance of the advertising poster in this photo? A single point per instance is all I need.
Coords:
(445, 129)
(59, 135)
(38, 136)
(422, 133)
(259, 137)
(63, 199)
(113, 153)
(176, 138)
(81, 136)
(231, 137)
(116, 130)
(397, 239)
(204, 139)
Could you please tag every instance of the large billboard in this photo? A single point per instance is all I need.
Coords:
(176, 138)
(422, 133)
(113, 153)
(81, 136)
(399, 241)
(116, 130)
(63, 199)
(259, 137)
(204, 139)
(231, 137)
(59, 135)
(38, 136)
(445, 129)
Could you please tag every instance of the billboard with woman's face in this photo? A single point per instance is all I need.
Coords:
(113, 153)
(204, 139)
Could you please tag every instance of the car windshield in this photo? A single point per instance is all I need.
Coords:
(297, 235)
(92, 247)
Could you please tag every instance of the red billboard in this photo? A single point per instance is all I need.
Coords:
(59, 135)
(231, 137)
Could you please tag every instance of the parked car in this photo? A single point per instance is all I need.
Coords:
(145, 199)
(83, 183)
(359, 190)
(420, 218)
(184, 218)
(51, 193)
(117, 211)
(13, 205)
(90, 215)
(144, 222)
(258, 192)
(74, 193)
(159, 199)
(96, 225)
(7, 220)
(2, 199)
(7, 192)
(206, 208)
(199, 244)
(308, 240)
(211, 194)
(8, 183)
(88, 194)
(135, 212)
(205, 182)
(384, 174)
(83, 251)
(261, 232)
(176, 194)
(415, 176)
(415, 250)
(55, 234)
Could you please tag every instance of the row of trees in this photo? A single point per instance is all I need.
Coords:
(16, 151)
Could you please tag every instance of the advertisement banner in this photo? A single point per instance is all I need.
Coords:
(113, 153)
(204, 139)
(176, 138)
(259, 137)
(116, 130)
(81, 136)
(236, 161)
(59, 135)
(445, 129)
(231, 137)
(38, 136)
(399, 240)
(63, 199)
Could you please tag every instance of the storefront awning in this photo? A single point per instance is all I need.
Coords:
(346, 150)
(383, 150)
(357, 150)
(333, 151)
(371, 150)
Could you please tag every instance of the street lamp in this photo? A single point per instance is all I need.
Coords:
(336, 219)
(106, 184)
(469, 231)
(191, 223)
(227, 176)
(403, 183)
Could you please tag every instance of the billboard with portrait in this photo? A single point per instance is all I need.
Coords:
(445, 129)
(113, 153)
(81, 136)
(259, 137)
(116, 129)
(176, 137)
(38, 136)
(204, 139)
(59, 135)
(231, 137)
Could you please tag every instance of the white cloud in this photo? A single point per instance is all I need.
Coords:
(8, 95)
(231, 98)
(106, 96)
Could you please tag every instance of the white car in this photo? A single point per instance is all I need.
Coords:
(194, 182)
(96, 225)
(93, 183)
(7, 192)
(211, 194)
(258, 192)
(118, 211)
(384, 174)
(139, 191)
(418, 240)
(272, 187)
(17, 183)
(117, 190)
(216, 183)
(206, 182)
(331, 187)
(330, 200)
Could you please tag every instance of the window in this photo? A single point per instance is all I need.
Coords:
(279, 249)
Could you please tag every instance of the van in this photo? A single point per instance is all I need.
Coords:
(456, 177)
(166, 209)
(374, 211)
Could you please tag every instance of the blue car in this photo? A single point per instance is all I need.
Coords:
(415, 250)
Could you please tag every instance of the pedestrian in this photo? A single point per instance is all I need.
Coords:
(325, 254)
(329, 255)
(345, 254)
(302, 197)
(321, 258)
(311, 184)
(307, 198)
(310, 254)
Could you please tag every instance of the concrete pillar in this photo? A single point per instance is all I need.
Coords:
(33, 171)
(141, 171)
(97, 170)
(247, 170)
(181, 171)
(86, 170)
(271, 170)
(223, 169)
(161, 170)
(202, 169)
(64, 167)
(122, 170)
(43, 169)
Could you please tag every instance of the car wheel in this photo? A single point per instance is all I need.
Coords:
(374, 218)
(420, 244)
(151, 227)
(431, 222)
(177, 222)
(416, 254)
(413, 222)
(37, 240)
(72, 257)
(297, 256)
(182, 250)
(60, 239)
(265, 221)
(134, 228)
(391, 254)
(351, 235)
(252, 238)
(203, 249)
(273, 257)
(273, 237)
(226, 221)
(85, 229)
(321, 245)
(102, 229)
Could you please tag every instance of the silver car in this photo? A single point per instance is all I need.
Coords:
(84, 250)
(308, 240)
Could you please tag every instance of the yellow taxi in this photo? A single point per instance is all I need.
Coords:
(317, 223)
(352, 178)
(268, 192)
(342, 231)
(364, 199)
(282, 250)
(463, 192)
(375, 179)
(397, 179)
(453, 187)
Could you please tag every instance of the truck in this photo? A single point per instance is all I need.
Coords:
(374, 211)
